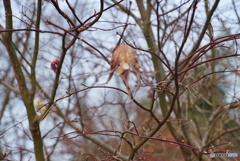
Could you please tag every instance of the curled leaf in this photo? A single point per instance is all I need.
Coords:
(39, 105)
(123, 59)
(54, 65)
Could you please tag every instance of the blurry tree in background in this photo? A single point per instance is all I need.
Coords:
(56, 55)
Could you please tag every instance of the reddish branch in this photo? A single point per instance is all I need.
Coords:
(205, 151)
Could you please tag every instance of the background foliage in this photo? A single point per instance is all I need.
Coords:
(185, 106)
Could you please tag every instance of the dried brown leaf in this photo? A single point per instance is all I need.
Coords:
(123, 59)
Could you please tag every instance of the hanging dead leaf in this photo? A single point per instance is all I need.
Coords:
(123, 59)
